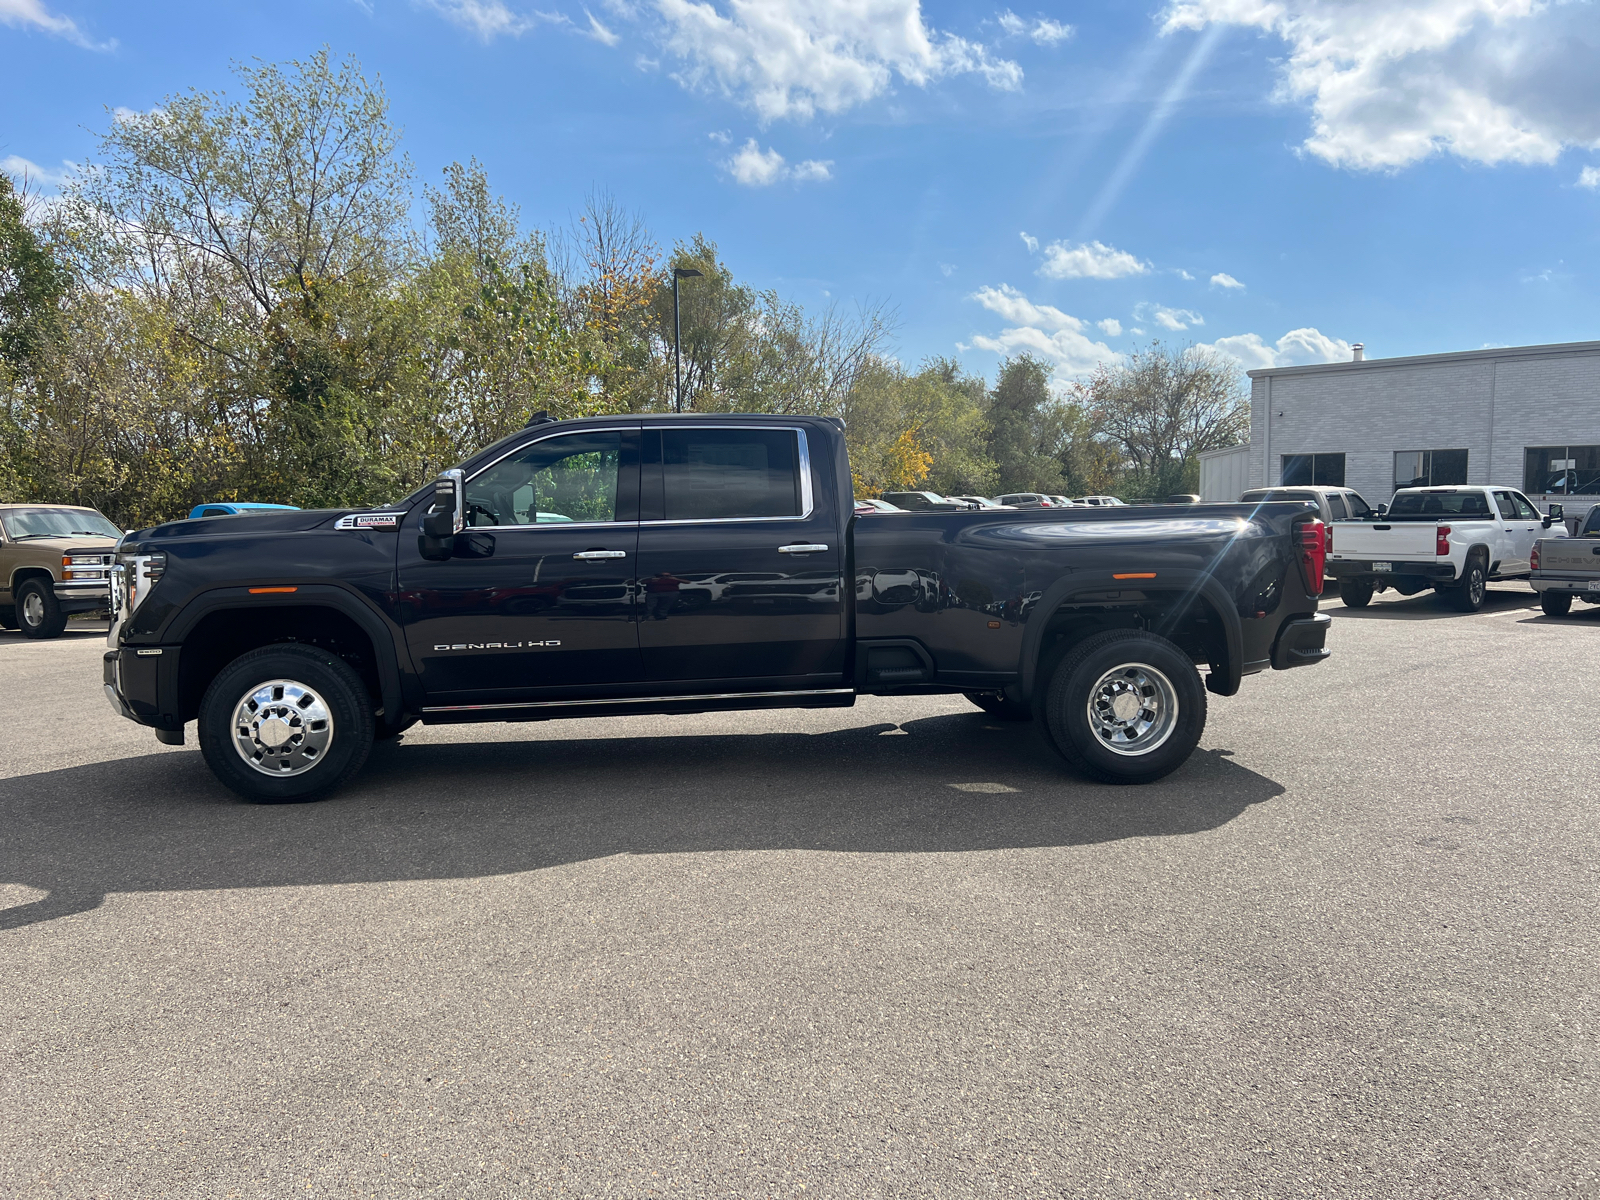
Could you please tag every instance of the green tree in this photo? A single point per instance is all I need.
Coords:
(1025, 427)
(1161, 407)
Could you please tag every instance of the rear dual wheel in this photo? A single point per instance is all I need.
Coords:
(1124, 706)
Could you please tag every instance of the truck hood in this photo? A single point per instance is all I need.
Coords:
(261, 520)
(64, 545)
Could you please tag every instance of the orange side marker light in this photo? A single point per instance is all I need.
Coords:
(1139, 575)
(265, 591)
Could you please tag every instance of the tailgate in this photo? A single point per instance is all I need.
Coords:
(1570, 556)
(1403, 540)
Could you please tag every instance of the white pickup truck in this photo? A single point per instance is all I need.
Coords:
(1451, 539)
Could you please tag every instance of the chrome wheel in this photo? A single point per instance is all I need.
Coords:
(33, 609)
(1133, 709)
(282, 728)
(1475, 587)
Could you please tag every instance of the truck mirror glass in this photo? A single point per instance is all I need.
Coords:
(1557, 512)
(446, 516)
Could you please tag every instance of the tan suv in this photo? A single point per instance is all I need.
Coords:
(55, 560)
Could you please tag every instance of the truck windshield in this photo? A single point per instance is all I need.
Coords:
(57, 522)
(1439, 504)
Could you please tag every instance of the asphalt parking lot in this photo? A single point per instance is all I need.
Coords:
(1350, 950)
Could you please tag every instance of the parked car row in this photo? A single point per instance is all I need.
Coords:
(1454, 540)
(923, 501)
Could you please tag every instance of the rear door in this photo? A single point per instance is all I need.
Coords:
(740, 560)
(1509, 551)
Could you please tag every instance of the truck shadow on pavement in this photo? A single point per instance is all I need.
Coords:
(942, 784)
(1426, 607)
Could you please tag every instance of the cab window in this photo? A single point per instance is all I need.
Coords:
(1525, 511)
(1336, 508)
(556, 481)
(1359, 508)
(726, 474)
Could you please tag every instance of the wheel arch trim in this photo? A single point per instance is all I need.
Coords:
(385, 648)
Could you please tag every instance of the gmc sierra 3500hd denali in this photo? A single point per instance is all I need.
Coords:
(694, 563)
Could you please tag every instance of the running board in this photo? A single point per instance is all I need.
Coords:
(549, 710)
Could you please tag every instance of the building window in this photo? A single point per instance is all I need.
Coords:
(1312, 470)
(1561, 470)
(1429, 468)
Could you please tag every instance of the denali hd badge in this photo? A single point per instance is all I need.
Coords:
(369, 521)
(497, 645)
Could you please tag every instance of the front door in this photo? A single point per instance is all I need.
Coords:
(1527, 529)
(739, 559)
(538, 597)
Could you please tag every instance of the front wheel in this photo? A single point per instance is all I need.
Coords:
(1000, 706)
(285, 723)
(1356, 593)
(1124, 706)
(1555, 604)
(39, 614)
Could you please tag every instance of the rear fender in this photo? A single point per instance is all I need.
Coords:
(1224, 681)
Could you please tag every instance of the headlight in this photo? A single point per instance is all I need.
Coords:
(86, 566)
(132, 578)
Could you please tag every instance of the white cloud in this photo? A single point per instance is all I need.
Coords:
(1089, 260)
(1032, 243)
(812, 170)
(1390, 82)
(1111, 327)
(32, 14)
(1042, 30)
(599, 32)
(1223, 280)
(755, 167)
(792, 58)
(720, 136)
(1040, 329)
(1296, 348)
(1182, 274)
(20, 168)
(1589, 178)
(1175, 319)
(947, 269)
(488, 19)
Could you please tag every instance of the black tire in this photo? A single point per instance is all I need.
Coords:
(1555, 604)
(335, 689)
(39, 614)
(1107, 665)
(1356, 593)
(1467, 596)
(1000, 706)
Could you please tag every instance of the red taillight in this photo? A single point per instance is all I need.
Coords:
(1441, 543)
(1534, 558)
(1329, 535)
(1313, 555)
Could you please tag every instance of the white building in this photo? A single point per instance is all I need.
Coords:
(1526, 417)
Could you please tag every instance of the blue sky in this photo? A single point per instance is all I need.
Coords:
(1278, 178)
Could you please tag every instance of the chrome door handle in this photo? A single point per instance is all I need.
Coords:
(802, 548)
(587, 554)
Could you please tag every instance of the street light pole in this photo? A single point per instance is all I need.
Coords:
(677, 332)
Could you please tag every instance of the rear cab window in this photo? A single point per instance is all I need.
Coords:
(711, 474)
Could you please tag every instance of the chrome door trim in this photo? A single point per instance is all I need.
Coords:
(802, 548)
(638, 700)
(807, 496)
(586, 555)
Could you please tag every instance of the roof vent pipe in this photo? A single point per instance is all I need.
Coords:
(1358, 352)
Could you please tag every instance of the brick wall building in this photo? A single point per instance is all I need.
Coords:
(1527, 417)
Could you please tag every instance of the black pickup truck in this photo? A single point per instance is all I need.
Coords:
(677, 564)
